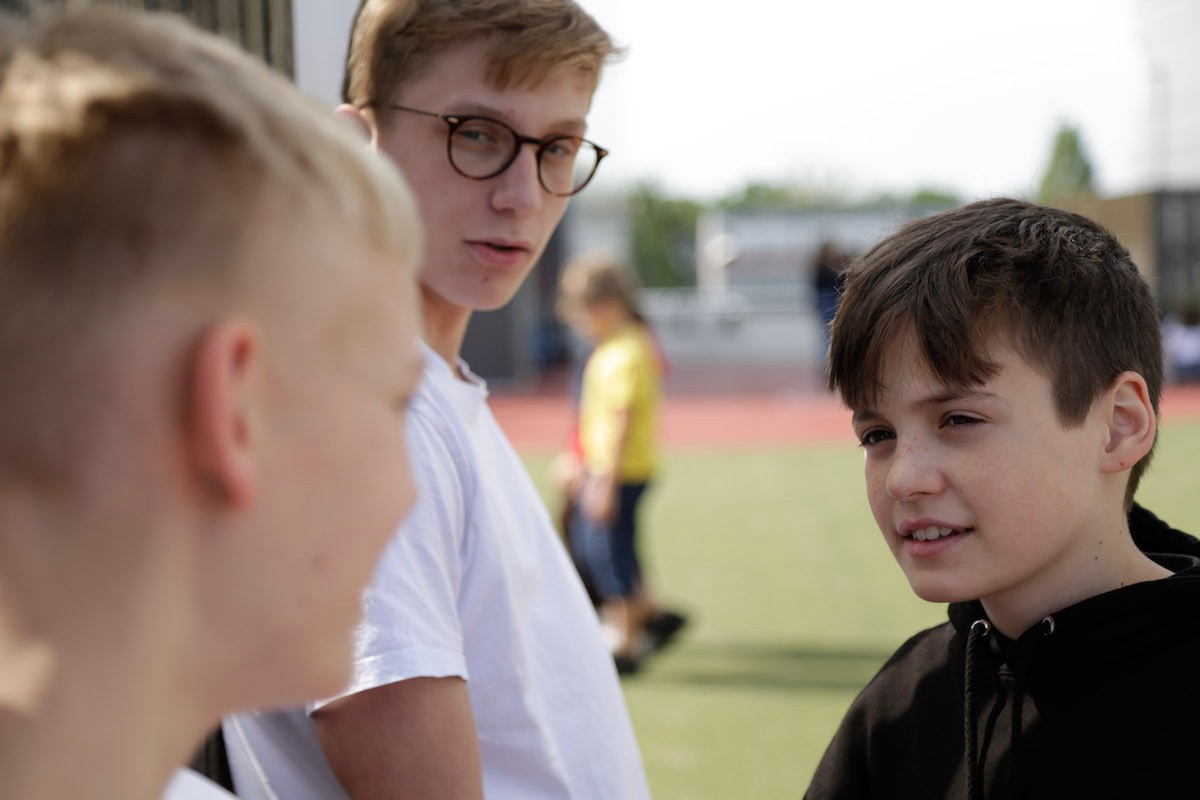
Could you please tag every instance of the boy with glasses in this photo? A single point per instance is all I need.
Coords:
(208, 334)
(481, 669)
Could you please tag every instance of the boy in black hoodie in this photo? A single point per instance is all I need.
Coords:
(1004, 365)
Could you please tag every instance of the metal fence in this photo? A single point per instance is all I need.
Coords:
(263, 27)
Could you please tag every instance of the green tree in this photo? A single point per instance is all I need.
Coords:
(1069, 171)
(933, 197)
(664, 237)
(763, 196)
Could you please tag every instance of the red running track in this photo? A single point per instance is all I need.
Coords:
(540, 422)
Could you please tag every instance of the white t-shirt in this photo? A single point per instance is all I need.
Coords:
(476, 584)
(188, 785)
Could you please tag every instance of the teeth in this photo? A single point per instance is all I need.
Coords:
(931, 533)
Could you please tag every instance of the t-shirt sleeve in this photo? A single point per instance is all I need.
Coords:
(620, 381)
(411, 625)
(188, 785)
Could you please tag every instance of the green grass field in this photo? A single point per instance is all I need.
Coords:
(795, 602)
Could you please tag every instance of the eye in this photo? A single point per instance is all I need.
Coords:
(479, 133)
(874, 436)
(960, 420)
(565, 148)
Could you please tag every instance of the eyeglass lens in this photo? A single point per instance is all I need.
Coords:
(480, 148)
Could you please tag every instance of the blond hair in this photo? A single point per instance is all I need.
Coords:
(139, 152)
(394, 41)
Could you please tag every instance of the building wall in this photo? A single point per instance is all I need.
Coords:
(1131, 220)
(1161, 231)
(322, 32)
(264, 27)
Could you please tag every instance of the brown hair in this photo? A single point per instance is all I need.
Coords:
(393, 42)
(597, 278)
(1061, 288)
(137, 153)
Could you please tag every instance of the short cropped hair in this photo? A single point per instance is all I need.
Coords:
(1059, 287)
(138, 152)
(394, 41)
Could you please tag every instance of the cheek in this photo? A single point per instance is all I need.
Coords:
(425, 168)
(438, 189)
(1028, 479)
(437, 212)
(875, 478)
(552, 213)
(384, 490)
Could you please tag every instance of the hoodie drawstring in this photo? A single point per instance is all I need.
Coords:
(980, 628)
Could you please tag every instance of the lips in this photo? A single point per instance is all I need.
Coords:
(933, 532)
(499, 252)
(501, 244)
(926, 530)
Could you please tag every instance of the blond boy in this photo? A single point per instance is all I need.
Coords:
(481, 670)
(207, 339)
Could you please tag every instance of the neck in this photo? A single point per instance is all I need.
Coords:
(90, 719)
(107, 734)
(94, 699)
(444, 326)
(609, 318)
(1103, 561)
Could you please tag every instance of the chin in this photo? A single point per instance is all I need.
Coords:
(495, 302)
(933, 592)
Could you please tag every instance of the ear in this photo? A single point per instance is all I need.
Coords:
(224, 395)
(1132, 424)
(358, 120)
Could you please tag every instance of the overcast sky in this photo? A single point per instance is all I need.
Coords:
(872, 94)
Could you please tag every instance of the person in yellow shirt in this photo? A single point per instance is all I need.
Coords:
(618, 434)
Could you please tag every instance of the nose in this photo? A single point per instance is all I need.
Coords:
(913, 472)
(518, 190)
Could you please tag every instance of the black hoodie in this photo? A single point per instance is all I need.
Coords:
(1099, 700)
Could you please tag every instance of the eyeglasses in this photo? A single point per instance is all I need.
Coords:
(481, 147)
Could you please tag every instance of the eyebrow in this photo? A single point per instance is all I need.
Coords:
(479, 109)
(947, 396)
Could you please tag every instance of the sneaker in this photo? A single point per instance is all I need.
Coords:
(612, 636)
(627, 665)
(663, 628)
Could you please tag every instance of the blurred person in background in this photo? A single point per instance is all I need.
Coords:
(827, 273)
(619, 399)
(1181, 342)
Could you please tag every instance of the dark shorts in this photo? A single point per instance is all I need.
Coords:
(607, 553)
